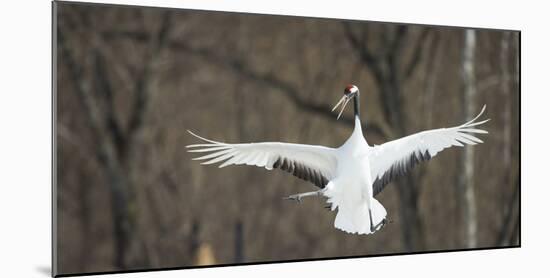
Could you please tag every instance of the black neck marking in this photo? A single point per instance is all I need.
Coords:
(356, 105)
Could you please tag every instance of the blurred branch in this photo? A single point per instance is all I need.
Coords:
(359, 45)
(489, 82)
(416, 55)
(304, 104)
(432, 75)
(397, 42)
(265, 79)
(105, 89)
(508, 231)
(286, 88)
(64, 133)
(143, 93)
(106, 153)
(383, 69)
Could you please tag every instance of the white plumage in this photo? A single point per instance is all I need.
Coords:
(349, 176)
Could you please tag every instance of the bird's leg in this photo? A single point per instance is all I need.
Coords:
(371, 226)
(298, 197)
(382, 223)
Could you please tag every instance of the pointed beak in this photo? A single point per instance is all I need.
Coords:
(342, 102)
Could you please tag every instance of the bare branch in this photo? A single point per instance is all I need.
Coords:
(106, 153)
(105, 89)
(383, 68)
(396, 44)
(64, 133)
(368, 58)
(286, 88)
(432, 75)
(143, 92)
(417, 54)
(265, 79)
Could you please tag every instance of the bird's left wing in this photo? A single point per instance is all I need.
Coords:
(395, 158)
(316, 164)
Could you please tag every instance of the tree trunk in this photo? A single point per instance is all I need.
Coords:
(239, 242)
(505, 91)
(467, 184)
(123, 222)
(412, 229)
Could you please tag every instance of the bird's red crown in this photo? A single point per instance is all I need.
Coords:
(349, 88)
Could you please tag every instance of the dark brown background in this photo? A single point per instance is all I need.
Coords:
(131, 80)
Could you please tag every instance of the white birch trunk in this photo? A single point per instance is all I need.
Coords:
(468, 63)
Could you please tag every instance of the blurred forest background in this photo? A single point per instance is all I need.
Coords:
(131, 81)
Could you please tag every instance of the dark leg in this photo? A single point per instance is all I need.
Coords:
(371, 226)
(374, 228)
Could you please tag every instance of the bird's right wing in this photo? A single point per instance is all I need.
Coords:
(316, 164)
(393, 159)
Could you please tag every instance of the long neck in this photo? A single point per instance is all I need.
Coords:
(358, 129)
(356, 105)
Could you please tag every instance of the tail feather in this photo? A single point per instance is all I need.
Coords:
(356, 218)
(353, 210)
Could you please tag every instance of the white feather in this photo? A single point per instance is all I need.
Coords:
(351, 169)
(318, 158)
(384, 156)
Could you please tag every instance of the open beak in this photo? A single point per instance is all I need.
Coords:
(343, 102)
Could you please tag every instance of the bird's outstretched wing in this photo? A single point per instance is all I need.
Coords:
(395, 158)
(316, 164)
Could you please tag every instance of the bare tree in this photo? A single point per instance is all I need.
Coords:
(114, 142)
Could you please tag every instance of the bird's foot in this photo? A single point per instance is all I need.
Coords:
(298, 197)
(383, 223)
(380, 225)
(295, 197)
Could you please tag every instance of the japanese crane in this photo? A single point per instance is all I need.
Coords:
(351, 175)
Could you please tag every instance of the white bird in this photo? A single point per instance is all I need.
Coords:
(351, 175)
